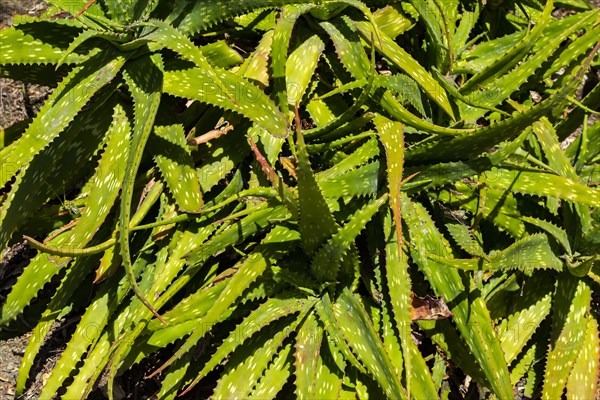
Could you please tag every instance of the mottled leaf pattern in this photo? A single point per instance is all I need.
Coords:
(568, 333)
(315, 219)
(358, 331)
(175, 163)
(326, 262)
(276, 265)
(251, 101)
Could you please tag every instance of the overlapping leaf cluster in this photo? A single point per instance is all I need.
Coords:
(349, 155)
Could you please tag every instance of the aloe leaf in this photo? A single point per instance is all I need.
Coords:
(510, 82)
(307, 355)
(391, 135)
(509, 59)
(443, 173)
(354, 59)
(103, 186)
(85, 36)
(191, 308)
(583, 379)
(83, 136)
(251, 359)
(279, 54)
(221, 55)
(330, 378)
(527, 254)
(466, 239)
(256, 69)
(557, 233)
(573, 121)
(358, 331)
(540, 183)
(194, 17)
(73, 6)
(89, 331)
(453, 91)
(432, 17)
(120, 10)
(402, 86)
(324, 111)
(174, 378)
(445, 335)
(105, 183)
(528, 311)
(363, 154)
(482, 55)
(118, 335)
(466, 23)
(473, 144)
(218, 160)
(144, 79)
(346, 116)
(418, 378)
(175, 163)
(300, 67)
(574, 50)
(181, 244)
(248, 226)
(569, 328)
(104, 341)
(472, 318)
(315, 219)
(184, 319)
(557, 159)
(58, 308)
(252, 102)
(272, 310)
(525, 366)
(274, 377)
(256, 65)
(247, 273)
(362, 181)
(131, 10)
(65, 102)
(531, 252)
(261, 20)
(391, 20)
(500, 207)
(169, 37)
(325, 264)
(325, 311)
(399, 286)
(19, 47)
(404, 61)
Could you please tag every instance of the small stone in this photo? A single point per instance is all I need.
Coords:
(18, 352)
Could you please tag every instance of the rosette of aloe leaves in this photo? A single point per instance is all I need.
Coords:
(267, 192)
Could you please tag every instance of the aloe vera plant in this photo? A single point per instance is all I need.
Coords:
(268, 189)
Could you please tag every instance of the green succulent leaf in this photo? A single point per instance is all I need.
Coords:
(327, 259)
(17, 46)
(175, 163)
(307, 358)
(357, 329)
(584, 375)
(472, 318)
(568, 333)
(315, 220)
(252, 103)
(272, 310)
(539, 183)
